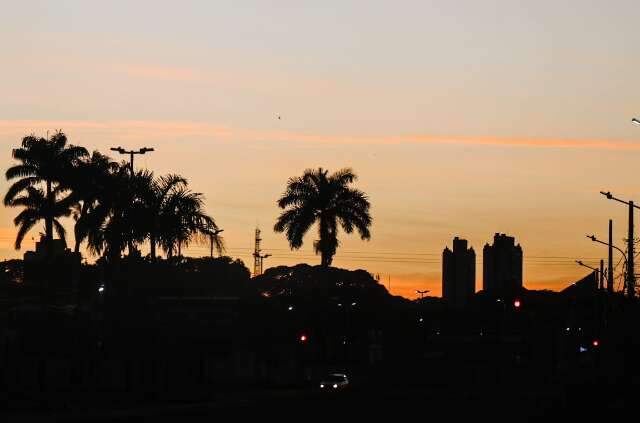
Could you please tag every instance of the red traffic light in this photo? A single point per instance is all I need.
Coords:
(596, 343)
(517, 303)
(303, 338)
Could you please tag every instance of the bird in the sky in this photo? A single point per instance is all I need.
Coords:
(278, 117)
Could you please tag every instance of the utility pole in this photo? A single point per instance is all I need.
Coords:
(596, 271)
(131, 153)
(601, 287)
(631, 277)
(256, 254)
(624, 256)
(258, 257)
(610, 269)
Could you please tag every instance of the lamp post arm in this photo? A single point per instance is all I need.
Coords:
(587, 266)
(611, 197)
(594, 239)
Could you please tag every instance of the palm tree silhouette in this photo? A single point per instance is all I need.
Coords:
(184, 220)
(119, 218)
(89, 179)
(162, 191)
(113, 209)
(328, 200)
(43, 162)
(38, 206)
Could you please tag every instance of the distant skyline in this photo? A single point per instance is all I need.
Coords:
(461, 118)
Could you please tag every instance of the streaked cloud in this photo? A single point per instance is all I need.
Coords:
(163, 73)
(157, 130)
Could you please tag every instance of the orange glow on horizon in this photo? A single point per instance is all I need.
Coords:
(156, 130)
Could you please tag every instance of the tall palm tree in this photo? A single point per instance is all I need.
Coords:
(162, 191)
(38, 207)
(119, 218)
(328, 200)
(90, 178)
(43, 161)
(184, 220)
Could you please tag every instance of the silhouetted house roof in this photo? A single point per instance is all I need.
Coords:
(585, 287)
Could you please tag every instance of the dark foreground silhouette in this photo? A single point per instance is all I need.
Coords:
(198, 337)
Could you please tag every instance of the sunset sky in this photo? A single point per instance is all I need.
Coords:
(461, 118)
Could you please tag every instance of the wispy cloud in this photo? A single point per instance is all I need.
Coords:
(162, 73)
(157, 130)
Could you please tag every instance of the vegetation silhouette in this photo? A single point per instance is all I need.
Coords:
(113, 208)
(90, 178)
(328, 200)
(320, 283)
(146, 279)
(41, 185)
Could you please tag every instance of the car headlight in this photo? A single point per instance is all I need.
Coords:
(321, 385)
(335, 385)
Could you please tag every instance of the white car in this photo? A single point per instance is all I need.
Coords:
(334, 381)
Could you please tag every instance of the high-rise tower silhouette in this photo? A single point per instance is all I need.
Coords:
(502, 265)
(458, 272)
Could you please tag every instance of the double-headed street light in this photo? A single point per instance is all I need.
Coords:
(421, 293)
(631, 279)
(213, 238)
(131, 153)
(262, 257)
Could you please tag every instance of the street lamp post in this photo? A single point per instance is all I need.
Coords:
(594, 239)
(421, 293)
(602, 311)
(599, 272)
(420, 316)
(262, 257)
(131, 153)
(631, 278)
(347, 309)
(212, 236)
(610, 269)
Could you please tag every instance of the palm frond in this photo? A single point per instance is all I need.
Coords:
(21, 171)
(19, 186)
(344, 177)
(24, 227)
